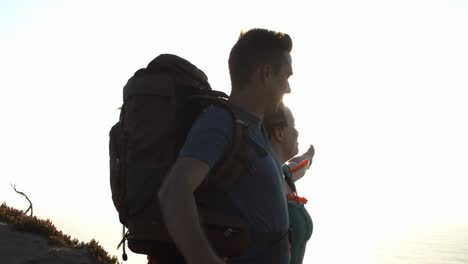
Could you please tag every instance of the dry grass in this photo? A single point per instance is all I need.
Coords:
(46, 228)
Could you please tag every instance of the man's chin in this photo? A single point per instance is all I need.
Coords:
(279, 103)
(273, 109)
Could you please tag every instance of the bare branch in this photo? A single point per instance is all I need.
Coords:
(30, 203)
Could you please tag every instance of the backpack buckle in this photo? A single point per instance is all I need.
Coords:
(241, 122)
(229, 231)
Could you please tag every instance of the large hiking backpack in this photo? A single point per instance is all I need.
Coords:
(161, 102)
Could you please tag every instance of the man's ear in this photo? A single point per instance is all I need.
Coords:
(260, 73)
(267, 71)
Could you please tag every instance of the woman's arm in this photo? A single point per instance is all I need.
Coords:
(308, 155)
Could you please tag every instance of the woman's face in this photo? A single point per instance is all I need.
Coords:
(290, 144)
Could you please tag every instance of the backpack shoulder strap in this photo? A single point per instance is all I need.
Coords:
(236, 155)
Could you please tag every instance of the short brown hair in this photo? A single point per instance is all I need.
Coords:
(254, 47)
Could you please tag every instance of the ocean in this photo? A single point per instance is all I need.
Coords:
(442, 243)
(437, 244)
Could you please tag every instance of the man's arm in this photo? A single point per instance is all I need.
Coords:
(180, 213)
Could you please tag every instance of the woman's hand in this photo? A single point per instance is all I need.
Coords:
(309, 155)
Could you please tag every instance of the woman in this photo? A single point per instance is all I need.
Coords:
(283, 137)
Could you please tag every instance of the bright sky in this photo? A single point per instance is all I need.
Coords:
(378, 88)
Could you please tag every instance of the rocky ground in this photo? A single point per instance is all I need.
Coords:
(29, 240)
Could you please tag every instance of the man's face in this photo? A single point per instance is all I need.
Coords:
(278, 82)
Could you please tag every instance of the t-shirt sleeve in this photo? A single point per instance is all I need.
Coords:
(209, 135)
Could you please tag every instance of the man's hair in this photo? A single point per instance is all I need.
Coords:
(255, 47)
(276, 119)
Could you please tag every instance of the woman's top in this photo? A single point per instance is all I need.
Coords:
(299, 219)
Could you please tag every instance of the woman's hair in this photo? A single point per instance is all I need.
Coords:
(276, 119)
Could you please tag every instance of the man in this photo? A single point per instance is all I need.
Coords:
(259, 66)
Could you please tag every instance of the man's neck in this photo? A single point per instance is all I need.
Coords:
(249, 101)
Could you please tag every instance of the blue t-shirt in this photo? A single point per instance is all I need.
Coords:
(259, 194)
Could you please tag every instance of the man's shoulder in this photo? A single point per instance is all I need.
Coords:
(217, 111)
(215, 116)
(210, 133)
